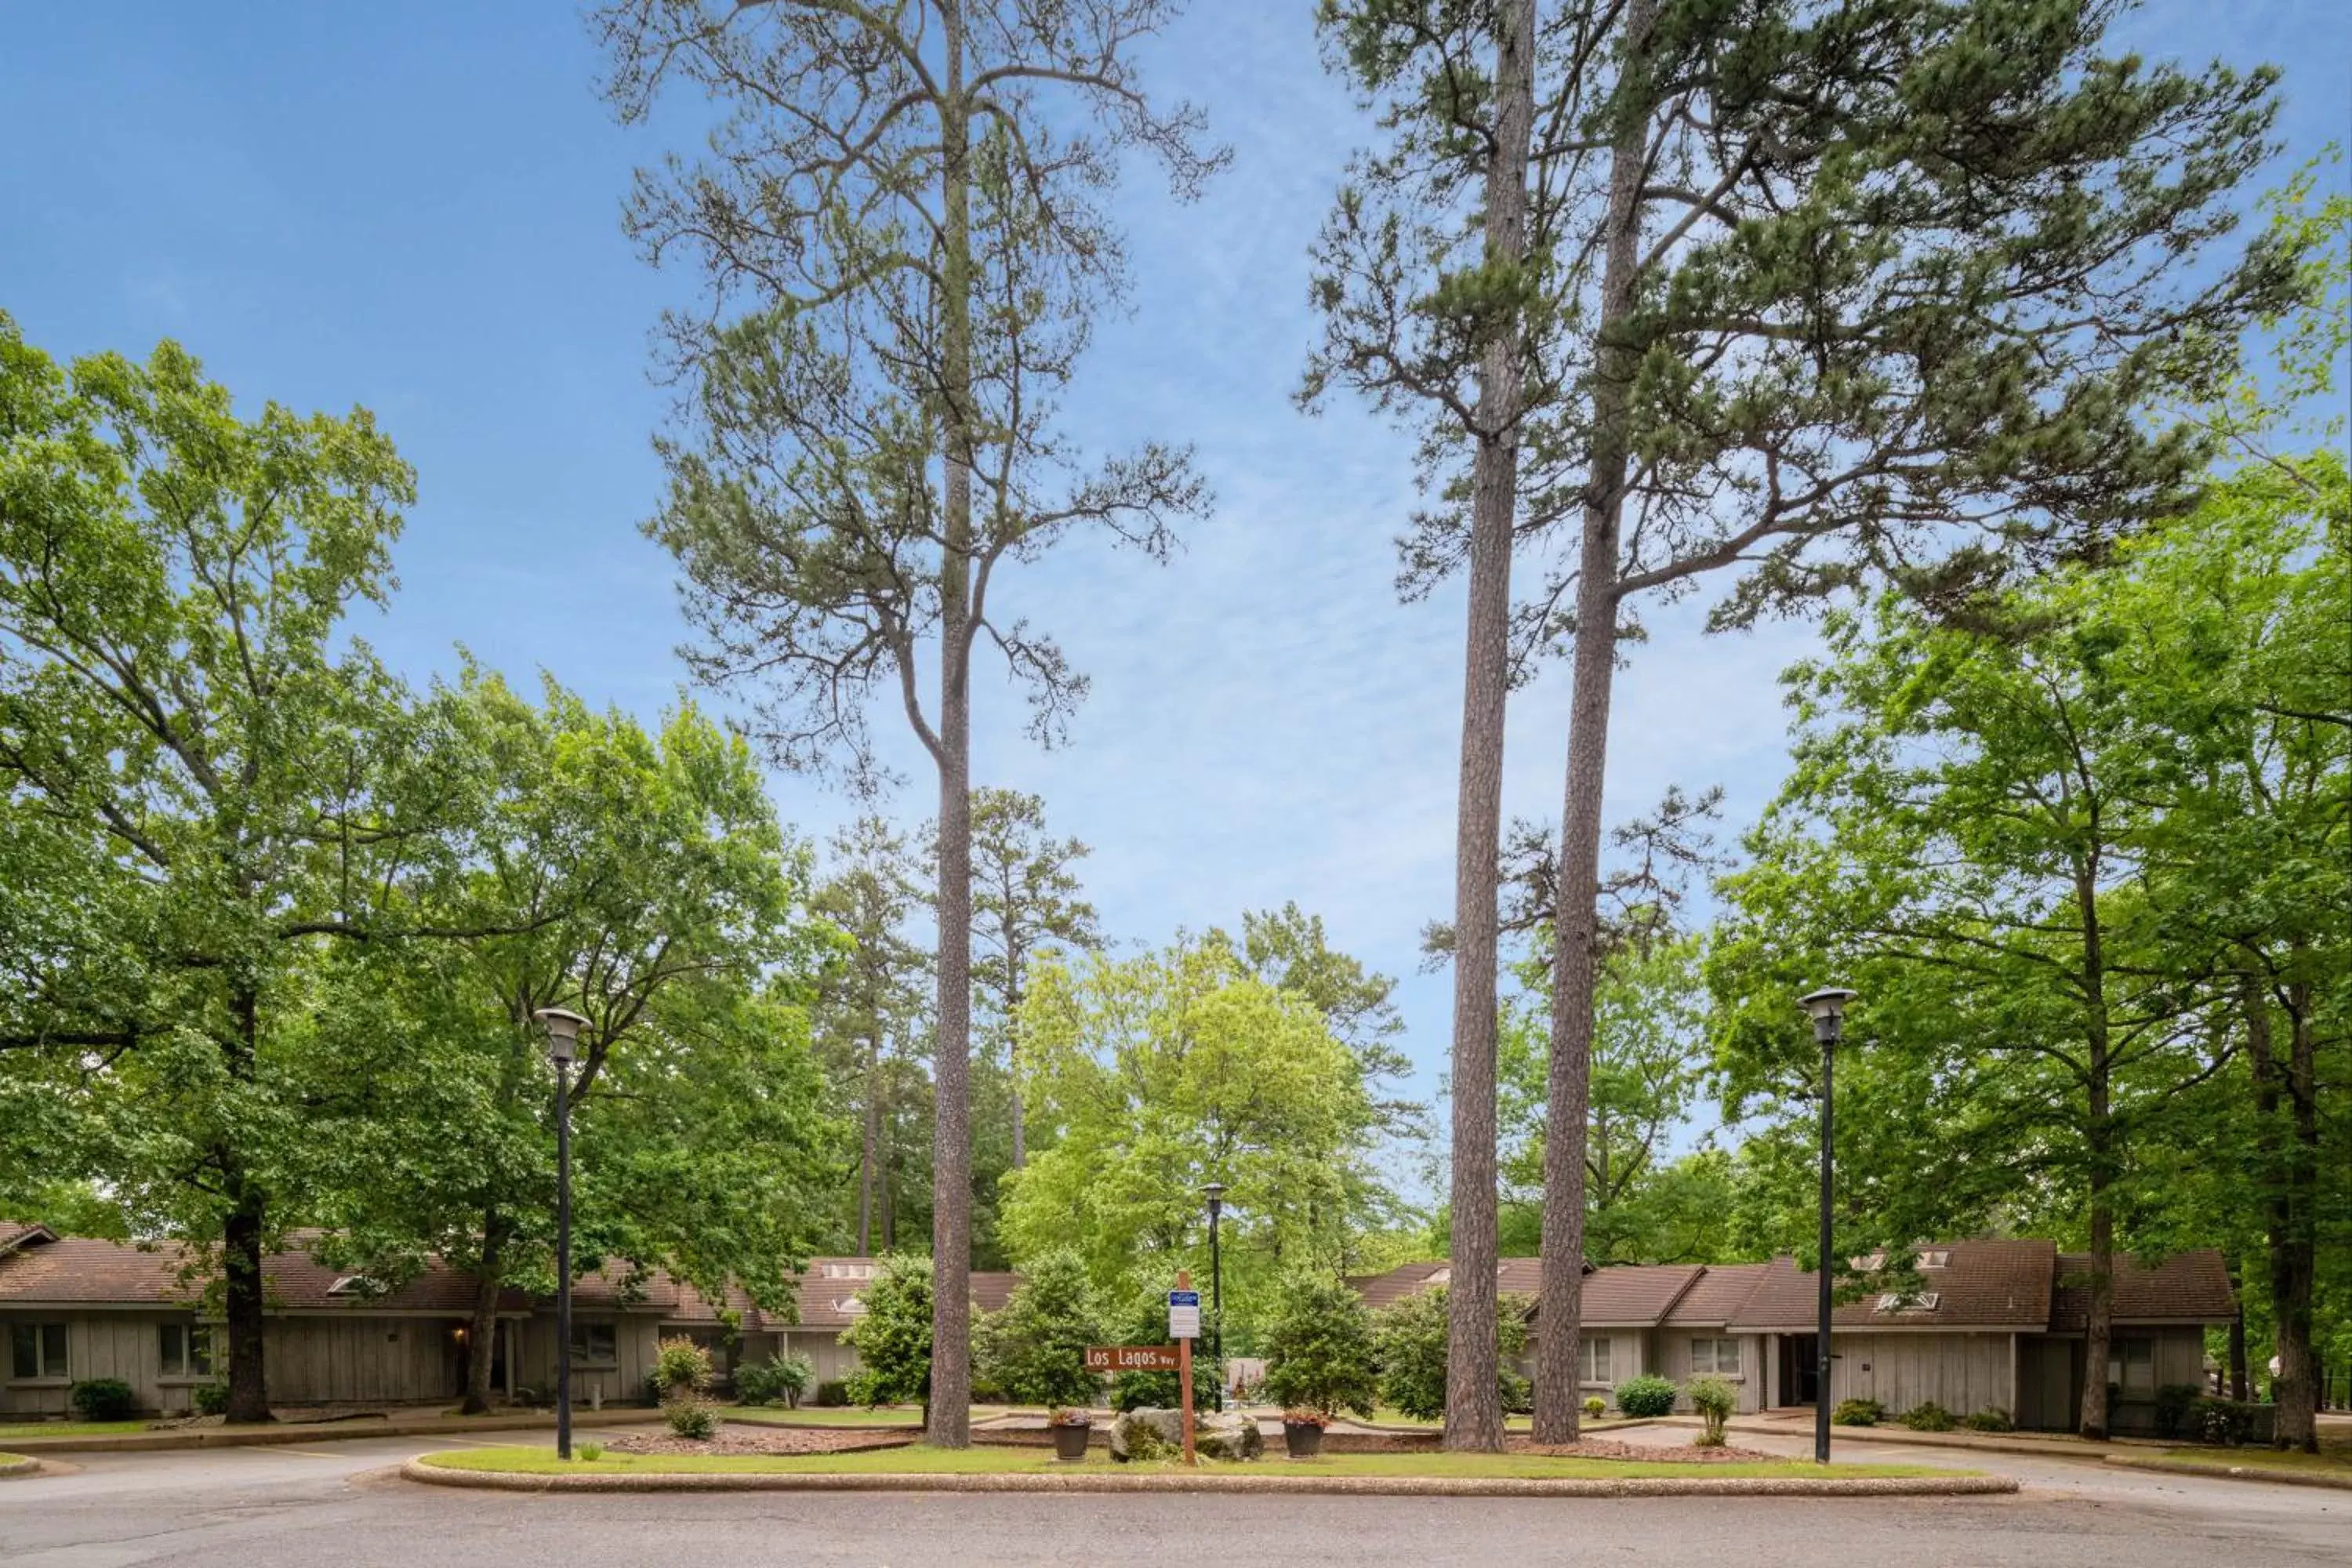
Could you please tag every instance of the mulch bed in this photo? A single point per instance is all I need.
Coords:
(1653, 1453)
(759, 1440)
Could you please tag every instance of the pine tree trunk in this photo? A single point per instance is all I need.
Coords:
(1567, 1093)
(2099, 1136)
(1013, 1031)
(869, 1172)
(2237, 1330)
(949, 1418)
(481, 1337)
(1473, 1410)
(2289, 1156)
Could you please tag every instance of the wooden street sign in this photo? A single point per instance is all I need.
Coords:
(1133, 1358)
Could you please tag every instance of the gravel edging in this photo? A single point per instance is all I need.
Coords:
(18, 1465)
(2231, 1472)
(1360, 1485)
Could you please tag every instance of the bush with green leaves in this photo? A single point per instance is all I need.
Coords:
(1927, 1417)
(1857, 1413)
(1647, 1394)
(1595, 1407)
(832, 1394)
(2174, 1401)
(1991, 1418)
(779, 1379)
(590, 1452)
(2234, 1422)
(1318, 1345)
(1715, 1400)
(690, 1416)
(893, 1336)
(1034, 1352)
(1409, 1340)
(680, 1366)
(103, 1399)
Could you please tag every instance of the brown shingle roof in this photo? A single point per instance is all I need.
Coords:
(2188, 1288)
(78, 1269)
(15, 1234)
(1718, 1296)
(1616, 1297)
(1983, 1284)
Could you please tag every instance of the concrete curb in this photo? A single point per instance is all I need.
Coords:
(18, 1465)
(2218, 1471)
(321, 1432)
(1356, 1485)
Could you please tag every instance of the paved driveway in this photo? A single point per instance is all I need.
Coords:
(313, 1507)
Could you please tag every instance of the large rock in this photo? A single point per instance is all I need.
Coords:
(1228, 1436)
(1150, 1433)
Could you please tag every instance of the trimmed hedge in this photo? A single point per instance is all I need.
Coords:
(1857, 1413)
(1646, 1396)
(103, 1399)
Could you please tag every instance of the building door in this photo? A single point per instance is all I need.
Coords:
(1801, 1369)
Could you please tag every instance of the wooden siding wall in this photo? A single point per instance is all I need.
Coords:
(1964, 1373)
(833, 1361)
(633, 1341)
(1670, 1356)
(334, 1361)
(124, 1344)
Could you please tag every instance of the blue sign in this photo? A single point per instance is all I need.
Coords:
(1184, 1297)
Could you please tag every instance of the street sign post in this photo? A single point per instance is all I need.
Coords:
(1134, 1358)
(1184, 1327)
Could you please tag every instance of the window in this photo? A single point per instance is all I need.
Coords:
(39, 1350)
(1595, 1355)
(849, 1270)
(186, 1350)
(1715, 1355)
(594, 1344)
(2131, 1366)
(1899, 1301)
(1935, 1257)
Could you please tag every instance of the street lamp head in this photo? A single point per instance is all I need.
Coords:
(563, 1032)
(1826, 1007)
(1215, 1193)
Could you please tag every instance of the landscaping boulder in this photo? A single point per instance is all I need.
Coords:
(1150, 1433)
(1228, 1436)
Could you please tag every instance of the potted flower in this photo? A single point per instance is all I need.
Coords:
(1302, 1431)
(1071, 1428)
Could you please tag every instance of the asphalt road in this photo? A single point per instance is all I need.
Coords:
(332, 1504)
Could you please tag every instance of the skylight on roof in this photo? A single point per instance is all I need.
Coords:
(1905, 1301)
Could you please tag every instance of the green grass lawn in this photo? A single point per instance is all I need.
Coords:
(72, 1428)
(2329, 1461)
(997, 1460)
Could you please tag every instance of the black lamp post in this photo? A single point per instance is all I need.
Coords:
(563, 1045)
(1826, 1007)
(1215, 1193)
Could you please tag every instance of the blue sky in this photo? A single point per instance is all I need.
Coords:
(414, 207)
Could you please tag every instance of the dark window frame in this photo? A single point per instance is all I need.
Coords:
(29, 1346)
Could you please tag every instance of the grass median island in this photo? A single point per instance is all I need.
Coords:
(2335, 1460)
(841, 1415)
(919, 1460)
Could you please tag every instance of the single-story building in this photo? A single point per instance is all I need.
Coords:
(73, 1308)
(1991, 1323)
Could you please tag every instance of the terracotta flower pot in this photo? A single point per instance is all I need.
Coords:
(1303, 1438)
(1070, 1442)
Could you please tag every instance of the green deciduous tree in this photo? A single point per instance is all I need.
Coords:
(899, 203)
(204, 777)
(892, 1336)
(1037, 1343)
(1409, 1341)
(1317, 1341)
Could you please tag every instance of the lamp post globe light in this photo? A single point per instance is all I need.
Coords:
(1826, 1007)
(1215, 1193)
(562, 1046)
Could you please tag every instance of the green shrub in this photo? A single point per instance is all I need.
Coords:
(1318, 1347)
(2234, 1422)
(1595, 1407)
(782, 1378)
(1715, 1400)
(893, 1338)
(1857, 1413)
(690, 1416)
(103, 1399)
(832, 1394)
(1647, 1394)
(592, 1452)
(210, 1398)
(680, 1366)
(2174, 1402)
(1144, 1322)
(1927, 1417)
(1516, 1393)
(1991, 1418)
(1409, 1341)
(1034, 1352)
